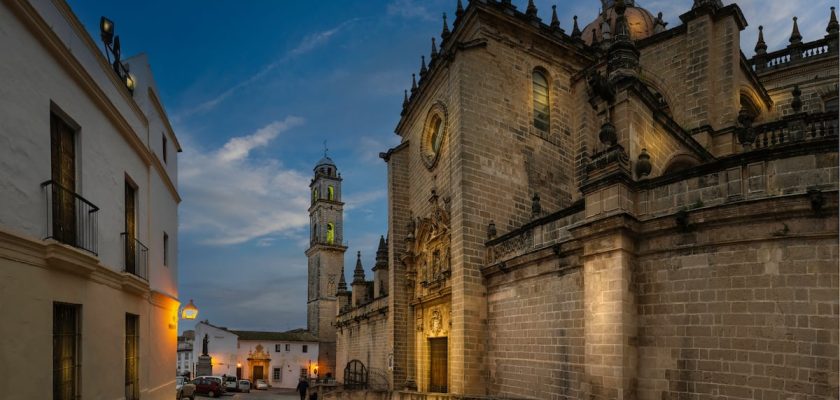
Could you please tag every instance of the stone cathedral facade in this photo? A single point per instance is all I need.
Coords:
(624, 211)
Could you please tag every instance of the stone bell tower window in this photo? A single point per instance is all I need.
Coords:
(330, 193)
(330, 233)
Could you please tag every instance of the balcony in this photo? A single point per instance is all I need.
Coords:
(797, 128)
(136, 257)
(71, 219)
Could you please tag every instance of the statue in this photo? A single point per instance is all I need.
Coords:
(204, 345)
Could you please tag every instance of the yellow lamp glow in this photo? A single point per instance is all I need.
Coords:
(190, 311)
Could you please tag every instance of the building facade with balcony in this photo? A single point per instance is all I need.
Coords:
(88, 222)
(185, 365)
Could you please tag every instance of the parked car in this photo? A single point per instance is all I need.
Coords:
(230, 384)
(184, 389)
(217, 379)
(260, 385)
(244, 386)
(208, 386)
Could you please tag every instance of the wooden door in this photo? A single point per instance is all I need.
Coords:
(130, 244)
(438, 363)
(63, 165)
(258, 373)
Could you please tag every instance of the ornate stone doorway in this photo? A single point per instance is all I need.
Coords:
(258, 363)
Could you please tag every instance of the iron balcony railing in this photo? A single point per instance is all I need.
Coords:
(136, 256)
(71, 219)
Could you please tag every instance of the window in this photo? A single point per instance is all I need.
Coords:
(831, 105)
(314, 195)
(165, 249)
(288, 347)
(63, 166)
(275, 375)
(305, 348)
(330, 193)
(330, 233)
(163, 142)
(130, 228)
(303, 373)
(66, 340)
(541, 100)
(132, 357)
(277, 348)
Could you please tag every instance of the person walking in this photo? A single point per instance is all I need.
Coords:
(302, 387)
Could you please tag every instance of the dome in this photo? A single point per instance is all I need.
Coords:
(325, 161)
(639, 21)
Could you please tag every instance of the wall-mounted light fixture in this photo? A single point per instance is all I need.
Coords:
(112, 48)
(190, 311)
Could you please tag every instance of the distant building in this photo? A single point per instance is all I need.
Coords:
(88, 215)
(279, 358)
(184, 361)
(623, 211)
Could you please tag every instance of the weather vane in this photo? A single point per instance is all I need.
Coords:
(325, 147)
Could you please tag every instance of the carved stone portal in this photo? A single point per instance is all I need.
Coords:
(432, 245)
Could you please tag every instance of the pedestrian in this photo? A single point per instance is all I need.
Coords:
(302, 387)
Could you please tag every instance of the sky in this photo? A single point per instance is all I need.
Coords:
(254, 88)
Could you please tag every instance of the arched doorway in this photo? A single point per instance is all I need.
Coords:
(258, 363)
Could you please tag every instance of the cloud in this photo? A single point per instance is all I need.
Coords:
(231, 197)
(409, 9)
(308, 44)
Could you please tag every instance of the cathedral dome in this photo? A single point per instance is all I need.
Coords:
(639, 21)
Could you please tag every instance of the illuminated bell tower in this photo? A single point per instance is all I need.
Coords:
(326, 258)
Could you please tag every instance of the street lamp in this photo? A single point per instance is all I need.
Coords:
(190, 311)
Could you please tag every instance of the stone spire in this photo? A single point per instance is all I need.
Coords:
(382, 253)
(445, 32)
(405, 103)
(623, 56)
(795, 36)
(342, 283)
(423, 69)
(459, 10)
(531, 11)
(434, 51)
(833, 26)
(359, 271)
(555, 23)
(576, 34)
(413, 84)
(760, 46)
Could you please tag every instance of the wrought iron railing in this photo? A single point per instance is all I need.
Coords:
(71, 219)
(797, 128)
(136, 256)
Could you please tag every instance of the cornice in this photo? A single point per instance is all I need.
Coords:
(163, 116)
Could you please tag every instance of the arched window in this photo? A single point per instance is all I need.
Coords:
(314, 232)
(330, 192)
(330, 233)
(314, 195)
(541, 100)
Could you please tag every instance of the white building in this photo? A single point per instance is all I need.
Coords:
(280, 358)
(88, 216)
(184, 361)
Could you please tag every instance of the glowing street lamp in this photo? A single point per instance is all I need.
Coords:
(190, 311)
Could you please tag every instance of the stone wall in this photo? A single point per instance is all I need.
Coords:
(361, 334)
(746, 308)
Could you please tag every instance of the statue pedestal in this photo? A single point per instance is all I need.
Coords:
(204, 366)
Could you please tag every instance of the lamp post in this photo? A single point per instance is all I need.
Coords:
(190, 311)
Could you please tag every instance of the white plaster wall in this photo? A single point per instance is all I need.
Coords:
(221, 346)
(32, 80)
(290, 361)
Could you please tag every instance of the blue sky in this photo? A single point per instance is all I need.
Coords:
(253, 88)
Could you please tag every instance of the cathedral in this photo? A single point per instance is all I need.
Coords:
(627, 210)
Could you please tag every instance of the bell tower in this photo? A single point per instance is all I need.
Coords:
(326, 258)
